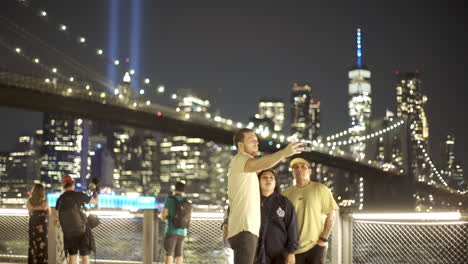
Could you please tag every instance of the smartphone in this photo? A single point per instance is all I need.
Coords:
(307, 146)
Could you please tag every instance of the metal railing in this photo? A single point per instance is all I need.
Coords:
(138, 238)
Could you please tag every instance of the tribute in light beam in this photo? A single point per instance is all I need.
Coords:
(135, 38)
(113, 39)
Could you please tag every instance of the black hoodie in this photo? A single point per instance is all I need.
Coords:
(278, 232)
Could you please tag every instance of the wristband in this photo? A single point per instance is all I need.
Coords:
(323, 239)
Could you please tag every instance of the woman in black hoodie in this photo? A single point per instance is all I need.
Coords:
(278, 232)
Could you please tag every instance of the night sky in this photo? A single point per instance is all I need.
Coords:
(236, 52)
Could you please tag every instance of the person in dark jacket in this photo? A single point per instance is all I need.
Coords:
(278, 231)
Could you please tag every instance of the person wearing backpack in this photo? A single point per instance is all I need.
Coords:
(177, 213)
(77, 234)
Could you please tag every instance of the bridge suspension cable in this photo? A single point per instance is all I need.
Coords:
(84, 43)
(70, 62)
(434, 170)
(369, 136)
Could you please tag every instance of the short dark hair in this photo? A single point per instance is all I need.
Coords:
(277, 188)
(239, 135)
(180, 186)
(68, 185)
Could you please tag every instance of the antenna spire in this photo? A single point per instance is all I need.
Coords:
(359, 48)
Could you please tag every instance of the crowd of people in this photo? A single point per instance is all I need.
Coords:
(263, 225)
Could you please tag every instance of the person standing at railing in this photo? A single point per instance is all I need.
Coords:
(312, 201)
(39, 211)
(77, 234)
(175, 235)
(244, 192)
(278, 232)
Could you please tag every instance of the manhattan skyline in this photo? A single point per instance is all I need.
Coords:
(239, 52)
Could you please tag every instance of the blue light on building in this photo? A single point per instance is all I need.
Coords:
(107, 201)
(359, 49)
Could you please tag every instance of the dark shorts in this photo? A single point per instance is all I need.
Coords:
(174, 245)
(316, 255)
(73, 244)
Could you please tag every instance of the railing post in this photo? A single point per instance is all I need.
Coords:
(148, 236)
(52, 238)
(347, 239)
(337, 240)
(156, 236)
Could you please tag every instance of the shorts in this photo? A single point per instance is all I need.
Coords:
(82, 243)
(174, 245)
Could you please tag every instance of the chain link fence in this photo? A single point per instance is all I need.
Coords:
(204, 243)
(120, 240)
(13, 238)
(410, 243)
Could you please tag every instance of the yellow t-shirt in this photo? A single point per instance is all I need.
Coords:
(244, 198)
(311, 203)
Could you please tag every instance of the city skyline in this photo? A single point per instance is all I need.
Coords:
(327, 74)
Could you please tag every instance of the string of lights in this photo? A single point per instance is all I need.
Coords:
(368, 136)
(65, 59)
(36, 60)
(428, 160)
(340, 134)
(85, 43)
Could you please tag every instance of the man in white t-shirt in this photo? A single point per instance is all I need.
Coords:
(244, 192)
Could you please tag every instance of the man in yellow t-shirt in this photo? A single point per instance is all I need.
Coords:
(244, 192)
(312, 201)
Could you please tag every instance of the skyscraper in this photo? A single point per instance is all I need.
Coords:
(272, 109)
(300, 119)
(185, 158)
(21, 170)
(360, 100)
(411, 106)
(62, 149)
(134, 154)
(314, 114)
(452, 168)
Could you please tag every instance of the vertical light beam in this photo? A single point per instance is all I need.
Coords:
(135, 41)
(113, 39)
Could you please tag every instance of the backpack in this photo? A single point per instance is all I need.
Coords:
(72, 220)
(183, 213)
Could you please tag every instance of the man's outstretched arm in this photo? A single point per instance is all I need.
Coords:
(268, 161)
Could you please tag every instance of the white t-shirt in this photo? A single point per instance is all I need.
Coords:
(244, 198)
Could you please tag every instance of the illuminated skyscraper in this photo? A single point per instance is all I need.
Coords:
(360, 100)
(411, 106)
(3, 165)
(314, 114)
(62, 150)
(134, 154)
(452, 168)
(300, 119)
(305, 121)
(22, 170)
(274, 110)
(185, 158)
